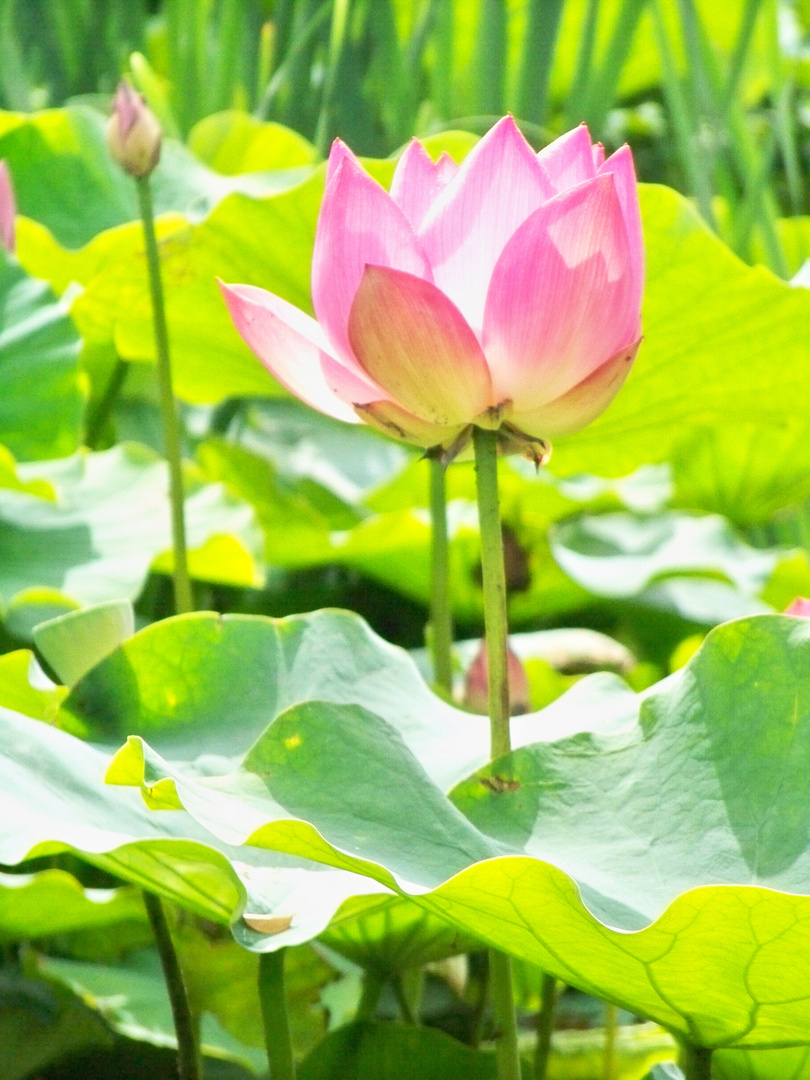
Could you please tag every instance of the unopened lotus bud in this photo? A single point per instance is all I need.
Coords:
(133, 132)
(476, 684)
(7, 209)
(800, 606)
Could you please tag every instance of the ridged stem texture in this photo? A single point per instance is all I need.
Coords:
(273, 999)
(183, 600)
(441, 616)
(494, 582)
(188, 1061)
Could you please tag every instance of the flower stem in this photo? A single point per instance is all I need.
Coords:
(373, 985)
(494, 580)
(441, 616)
(545, 1026)
(503, 1013)
(188, 1062)
(274, 1015)
(611, 1031)
(696, 1062)
(168, 410)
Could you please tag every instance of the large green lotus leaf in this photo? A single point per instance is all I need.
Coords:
(385, 1051)
(110, 523)
(661, 855)
(53, 902)
(789, 1064)
(392, 934)
(22, 690)
(52, 799)
(42, 1022)
(742, 472)
(40, 395)
(647, 557)
(65, 178)
(133, 1001)
(210, 684)
(712, 326)
(233, 142)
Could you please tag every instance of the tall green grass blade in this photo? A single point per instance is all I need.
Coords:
(490, 57)
(585, 56)
(228, 55)
(337, 38)
(293, 69)
(443, 59)
(681, 118)
(600, 92)
(739, 57)
(15, 84)
(540, 38)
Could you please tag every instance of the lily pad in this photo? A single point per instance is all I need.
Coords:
(109, 524)
(40, 396)
(53, 902)
(658, 858)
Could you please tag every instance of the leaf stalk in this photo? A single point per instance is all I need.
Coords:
(183, 600)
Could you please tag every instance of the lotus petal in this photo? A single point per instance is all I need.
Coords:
(414, 342)
(288, 342)
(497, 186)
(562, 298)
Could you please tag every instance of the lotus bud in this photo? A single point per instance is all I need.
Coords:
(7, 209)
(133, 132)
(799, 606)
(476, 684)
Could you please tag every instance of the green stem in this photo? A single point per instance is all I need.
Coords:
(274, 1015)
(545, 1026)
(495, 626)
(494, 580)
(503, 1013)
(188, 1062)
(98, 421)
(404, 1004)
(373, 983)
(696, 1062)
(441, 615)
(168, 410)
(611, 1030)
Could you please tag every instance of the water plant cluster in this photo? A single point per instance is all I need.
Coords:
(404, 478)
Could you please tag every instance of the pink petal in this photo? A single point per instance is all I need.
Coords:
(582, 404)
(569, 160)
(415, 343)
(800, 607)
(416, 183)
(397, 423)
(620, 165)
(359, 224)
(497, 186)
(598, 156)
(288, 342)
(446, 168)
(338, 151)
(7, 209)
(562, 300)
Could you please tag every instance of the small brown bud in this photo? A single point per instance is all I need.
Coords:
(133, 132)
(476, 683)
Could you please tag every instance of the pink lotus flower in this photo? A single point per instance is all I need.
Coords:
(503, 293)
(799, 606)
(7, 209)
